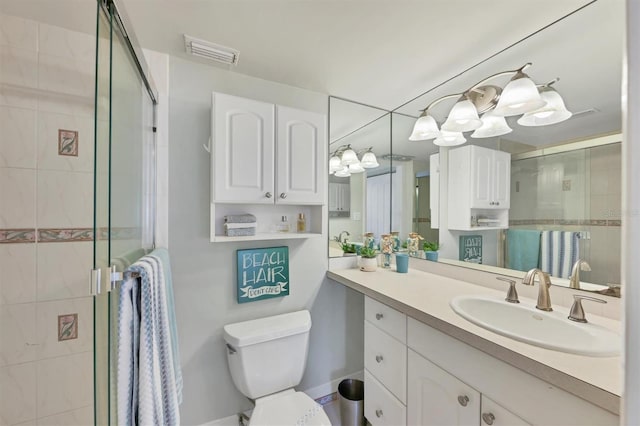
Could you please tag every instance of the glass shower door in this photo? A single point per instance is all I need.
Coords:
(124, 188)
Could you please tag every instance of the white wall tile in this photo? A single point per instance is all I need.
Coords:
(64, 383)
(17, 192)
(17, 393)
(63, 270)
(81, 416)
(17, 333)
(15, 96)
(48, 158)
(65, 199)
(58, 41)
(17, 144)
(47, 326)
(72, 105)
(18, 277)
(66, 75)
(18, 67)
(18, 32)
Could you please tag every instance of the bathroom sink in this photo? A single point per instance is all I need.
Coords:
(550, 330)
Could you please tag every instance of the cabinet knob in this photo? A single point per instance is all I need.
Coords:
(491, 203)
(463, 400)
(283, 195)
(378, 413)
(379, 316)
(268, 195)
(497, 203)
(379, 358)
(488, 418)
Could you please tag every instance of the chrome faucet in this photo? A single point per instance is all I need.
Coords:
(574, 280)
(339, 237)
(544, 300)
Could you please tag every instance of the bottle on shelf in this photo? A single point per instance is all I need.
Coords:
(302, 223)
(283, 225)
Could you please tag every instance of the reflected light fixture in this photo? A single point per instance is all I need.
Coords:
(349, 157)
(369, 160)
(344, 161)
(541, 105)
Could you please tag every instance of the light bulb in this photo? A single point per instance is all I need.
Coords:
(349, 157)
(492, 125)
(553, 112)
(462, 118)
(450, 139)
(518, 97)
(425, 128)
(369, 160)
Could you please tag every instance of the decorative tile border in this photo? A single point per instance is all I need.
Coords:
(421, 220)
(565, 222)
(67, 327)
(324, 400)
(68, 142)
(64, 235)
(8, 236)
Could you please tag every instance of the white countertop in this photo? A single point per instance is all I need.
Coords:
(425, 297)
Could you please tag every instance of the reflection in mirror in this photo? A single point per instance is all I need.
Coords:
(360, 173)
(566, 194)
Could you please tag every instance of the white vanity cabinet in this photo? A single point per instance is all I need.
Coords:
(266, 154)
(479, 188)
(385, 363)
(339, 199)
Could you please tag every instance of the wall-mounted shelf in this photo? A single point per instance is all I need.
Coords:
(263, 236)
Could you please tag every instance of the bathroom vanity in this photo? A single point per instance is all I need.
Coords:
(424, 364)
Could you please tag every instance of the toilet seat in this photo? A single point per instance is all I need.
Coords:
(288, 408)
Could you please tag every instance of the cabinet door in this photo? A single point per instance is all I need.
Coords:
(302, 156)
(493, 414)
(481, 178)
(243, 150)
(437, 398)
(501, 180)
(345, 197)
(334, 197)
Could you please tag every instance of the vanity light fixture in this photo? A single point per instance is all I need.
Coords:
(344, 161)
(541, 106)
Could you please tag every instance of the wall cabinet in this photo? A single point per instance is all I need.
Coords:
(416, 375)
(339, 199)
(266, 154)
(479, 188)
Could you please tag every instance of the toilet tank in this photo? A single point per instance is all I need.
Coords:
(268, 355)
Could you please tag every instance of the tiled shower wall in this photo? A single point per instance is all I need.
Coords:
(574, 191)
(46, 216)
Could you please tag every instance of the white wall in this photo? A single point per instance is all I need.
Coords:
(204, 272)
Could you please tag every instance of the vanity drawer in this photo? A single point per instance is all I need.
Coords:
(386, 359)
(380, 406)
(386, 318)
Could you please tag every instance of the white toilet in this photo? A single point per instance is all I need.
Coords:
(267, 357)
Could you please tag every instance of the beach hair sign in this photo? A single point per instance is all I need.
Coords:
(262, 273)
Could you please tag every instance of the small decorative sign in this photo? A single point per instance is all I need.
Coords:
(471, 248)
(68, 142)
(262, 273)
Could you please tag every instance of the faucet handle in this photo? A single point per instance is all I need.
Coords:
(577, 312)
(512, 294)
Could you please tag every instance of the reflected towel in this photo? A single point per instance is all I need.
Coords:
(559, 251)
(523, 249)
(239, 218)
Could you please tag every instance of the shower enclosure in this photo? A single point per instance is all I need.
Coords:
(124, 185)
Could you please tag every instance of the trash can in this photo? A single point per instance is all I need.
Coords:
(351, 396)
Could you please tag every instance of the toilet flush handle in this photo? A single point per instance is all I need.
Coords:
(231, 349)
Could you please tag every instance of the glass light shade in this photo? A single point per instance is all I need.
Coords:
(369, 160)
(463, 117)
(518, 97)
(492, 125)
(450, 139)
(356, 168)
(335, 164)
(425, 128)
(349, 157)
(553, 112)
(344, 172)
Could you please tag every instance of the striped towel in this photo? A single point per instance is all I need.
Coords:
(157, 372)
(559, 250)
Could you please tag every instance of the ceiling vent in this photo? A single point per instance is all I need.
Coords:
(211, 51)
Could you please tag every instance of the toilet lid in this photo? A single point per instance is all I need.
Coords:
(292, 409)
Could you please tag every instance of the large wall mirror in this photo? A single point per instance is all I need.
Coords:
(564, 179)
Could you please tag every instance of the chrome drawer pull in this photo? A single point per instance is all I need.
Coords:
(379, 358)
(463, 400)
(268, 195)
(379, 316)
(488, 418)
(378, 413)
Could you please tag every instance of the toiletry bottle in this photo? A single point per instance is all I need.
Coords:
(302, 224)
(283, 225)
